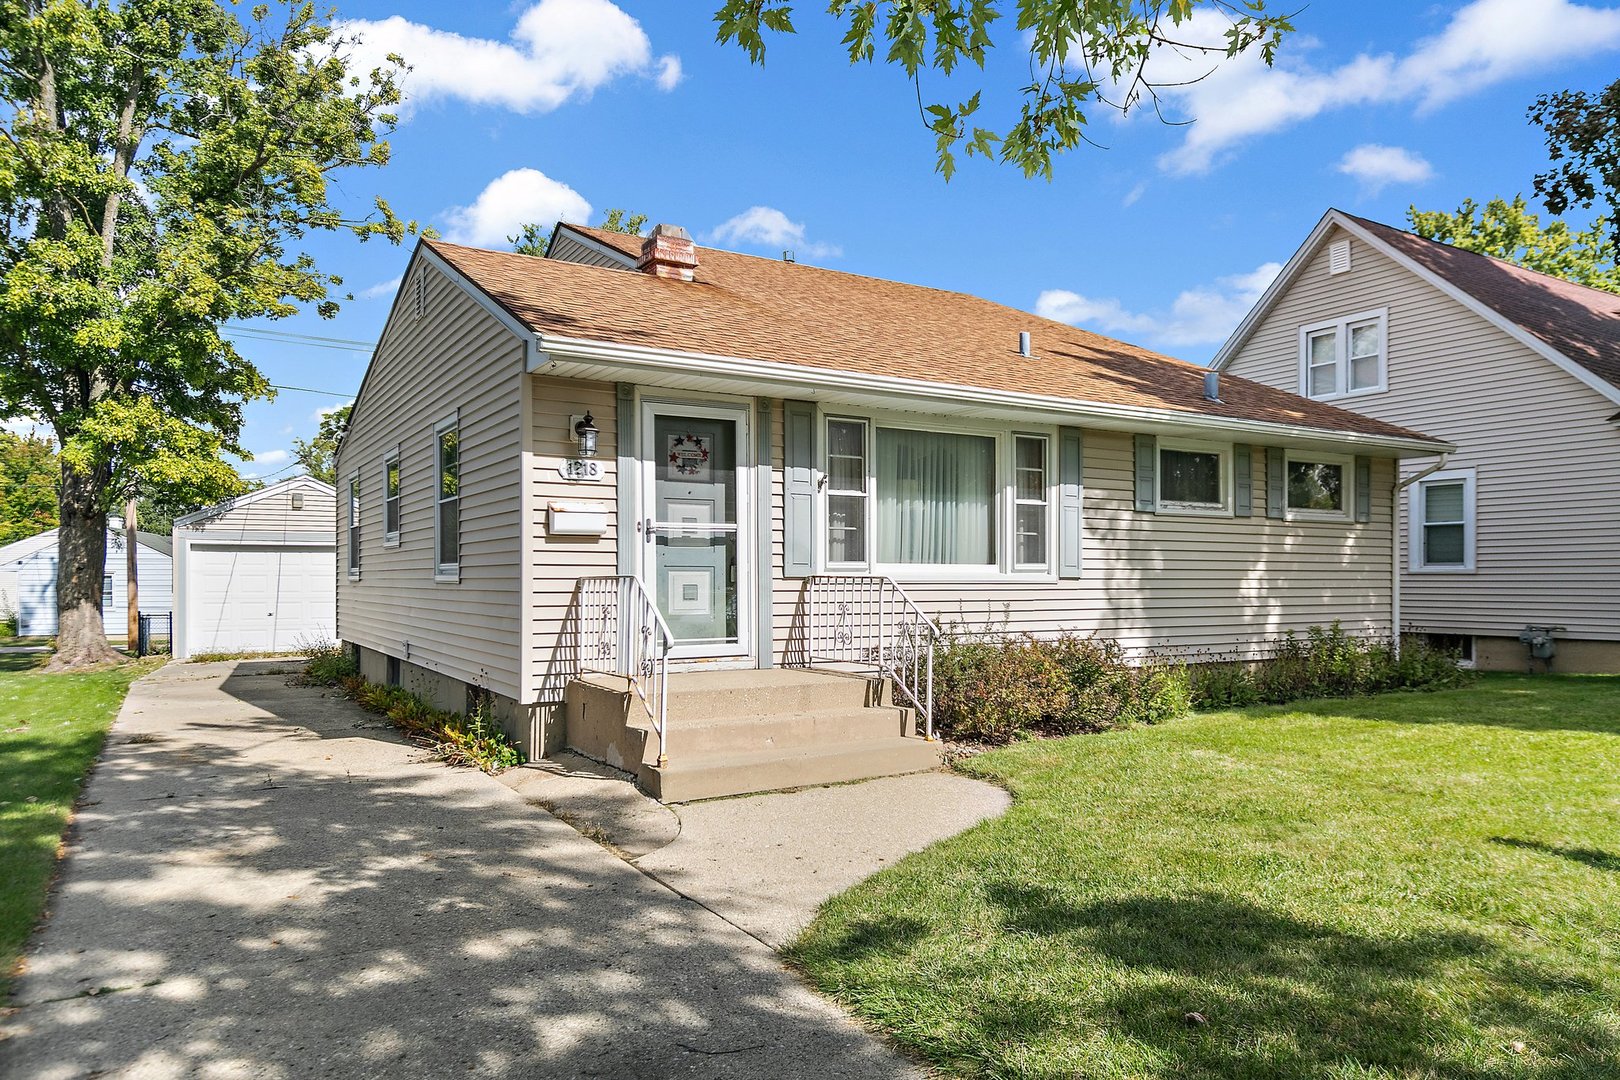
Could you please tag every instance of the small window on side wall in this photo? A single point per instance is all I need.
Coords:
(1443, 523)
(354, 525)
(391, 499)
(1318, 486)
(1344, 356)
(847, 495)
(447, 516)
(1194, 478)
(1029, 502)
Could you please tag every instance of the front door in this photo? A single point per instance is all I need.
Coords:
(696, 544)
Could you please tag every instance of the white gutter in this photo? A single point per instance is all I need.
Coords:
(640, 358)
(1395, 546)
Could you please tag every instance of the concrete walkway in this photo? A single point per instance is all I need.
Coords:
(265, 882)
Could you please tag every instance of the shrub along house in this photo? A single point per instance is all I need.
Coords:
(641, 456)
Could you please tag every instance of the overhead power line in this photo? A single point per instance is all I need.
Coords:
(316, 341)
(307, 390)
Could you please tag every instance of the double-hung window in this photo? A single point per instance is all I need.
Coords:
(354, 525)
(1343, 356)
(847, 490)
(1443, 522)
(1030, 502)
(447, 516)
(1194, 478)
(1318, 486)
(914, 501)
(391, 498)
(106, 593)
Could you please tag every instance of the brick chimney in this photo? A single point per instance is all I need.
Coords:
(668, 253)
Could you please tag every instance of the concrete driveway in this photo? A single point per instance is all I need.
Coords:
(265, 882)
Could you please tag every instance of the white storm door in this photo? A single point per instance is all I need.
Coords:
(696, 537)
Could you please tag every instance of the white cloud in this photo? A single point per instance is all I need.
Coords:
(327, 410)
(382, 288)
(558, 50)
(1485, 42)
(1200, 316)
(271, 457)
(1134, 194)
(1379, 166)
(510, 200)
(768, 227)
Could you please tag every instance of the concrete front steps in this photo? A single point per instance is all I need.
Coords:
(739, 732)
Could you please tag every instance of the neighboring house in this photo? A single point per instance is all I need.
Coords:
(1519, 526)
(10, 555)
(33, 562)
(788, 458)
(257, 573)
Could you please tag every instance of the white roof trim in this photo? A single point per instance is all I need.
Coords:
(250, 498)
(1284, 280)
(636, 360)
(590, 243)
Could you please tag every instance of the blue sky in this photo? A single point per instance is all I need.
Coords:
(569, 107)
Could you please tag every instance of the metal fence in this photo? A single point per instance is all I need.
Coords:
(156, 634)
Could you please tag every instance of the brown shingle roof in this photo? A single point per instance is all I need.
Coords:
(766, 310)
(1581, 322)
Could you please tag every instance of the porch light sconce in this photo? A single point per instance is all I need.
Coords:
(585, 433)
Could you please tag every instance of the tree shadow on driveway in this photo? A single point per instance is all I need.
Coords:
(264, 882)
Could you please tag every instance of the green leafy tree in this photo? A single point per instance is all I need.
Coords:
(318, 456)
(1080, 53)
(28, 475)
(1583, 143)
(161, 162)
(1508, 230)
(533, 238)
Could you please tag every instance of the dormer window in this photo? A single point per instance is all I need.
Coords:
(1344, 356)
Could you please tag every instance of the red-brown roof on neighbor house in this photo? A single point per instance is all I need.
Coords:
(1579, 321)
(768, 310)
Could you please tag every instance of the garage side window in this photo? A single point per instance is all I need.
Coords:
(354, 525)
(447, 522)
(391, 498)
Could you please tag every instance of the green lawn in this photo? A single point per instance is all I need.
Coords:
(51, 728)
(1415, 885)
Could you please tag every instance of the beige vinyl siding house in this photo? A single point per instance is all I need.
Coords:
(763, 430)
(1521, 519)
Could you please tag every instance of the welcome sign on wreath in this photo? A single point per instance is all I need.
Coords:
(689, 456)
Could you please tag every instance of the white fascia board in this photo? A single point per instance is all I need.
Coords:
(590, 243)
(770, 376)
(1279, 285)
(252, 497)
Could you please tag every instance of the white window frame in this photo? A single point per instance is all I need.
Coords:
(1341, 369)
(868, 497)
(352, 552)
(1046, 502)
(1348, 490)
(443, 571)
(1003, 516)
(391, 459)
(1416, 525)
(1190, 446)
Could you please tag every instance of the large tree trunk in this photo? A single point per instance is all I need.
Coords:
(81, 560)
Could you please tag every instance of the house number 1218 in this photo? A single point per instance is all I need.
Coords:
(581, 469)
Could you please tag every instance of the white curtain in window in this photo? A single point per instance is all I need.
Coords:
(936, 497)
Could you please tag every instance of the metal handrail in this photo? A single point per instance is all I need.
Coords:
(622, 632)
(867, 620)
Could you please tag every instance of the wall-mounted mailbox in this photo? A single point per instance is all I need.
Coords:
(574, 518)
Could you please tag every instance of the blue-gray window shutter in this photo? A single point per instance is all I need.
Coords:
(1147, 464)
(799, 489)
(1071, 497)
(1363, 489)
(1276, 483)
(1242, 481)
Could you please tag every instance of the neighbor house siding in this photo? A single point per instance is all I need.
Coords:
(456, 358)
(36, 588)
(272, 518)
(1163, 582)
(1541, 444)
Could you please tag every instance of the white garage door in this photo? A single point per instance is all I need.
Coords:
(272, 599)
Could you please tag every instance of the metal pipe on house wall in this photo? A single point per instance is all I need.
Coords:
(1395, 545)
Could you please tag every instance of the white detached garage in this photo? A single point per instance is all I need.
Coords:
(258, 573)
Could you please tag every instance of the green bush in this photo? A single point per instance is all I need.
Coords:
(995, 688)
(1324, 662)
(459, 740)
